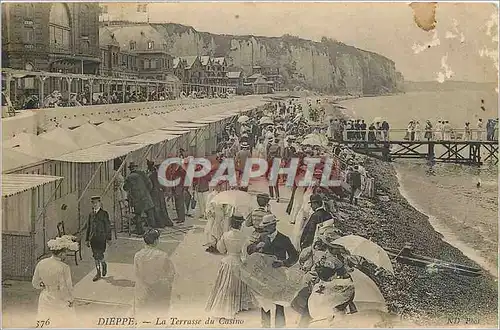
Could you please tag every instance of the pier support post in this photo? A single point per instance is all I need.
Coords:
(475, 153)
(430, 151)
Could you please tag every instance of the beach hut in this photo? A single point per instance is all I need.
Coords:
(158, 139)
(94, 176)
(141, 124)
(182, 141)
(24, 233)
(88, 135)
(36, 145)
(198, 134)
(13, 160)
(114, 131)
(61, 135)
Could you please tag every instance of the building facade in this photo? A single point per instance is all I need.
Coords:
(116, 62)
(55, 37)
(142, 50)
(193, 70)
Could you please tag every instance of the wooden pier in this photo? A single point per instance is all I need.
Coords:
(456, 152)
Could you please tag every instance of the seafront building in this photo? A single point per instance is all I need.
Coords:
(50, 37)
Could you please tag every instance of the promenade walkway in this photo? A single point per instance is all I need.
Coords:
(196, 272)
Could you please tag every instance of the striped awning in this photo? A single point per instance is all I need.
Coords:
(13, 184)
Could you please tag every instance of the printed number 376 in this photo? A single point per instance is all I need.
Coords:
(43, 323)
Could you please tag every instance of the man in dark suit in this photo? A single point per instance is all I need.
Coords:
(354, 180)
(98, 233)
(179, 191)
(138, 186)
(272, 242)
(320, 215)
(158, 196)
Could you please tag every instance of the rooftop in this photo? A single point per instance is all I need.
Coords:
(146, 38)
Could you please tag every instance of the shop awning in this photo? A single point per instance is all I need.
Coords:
(100, 153)
(13, 184)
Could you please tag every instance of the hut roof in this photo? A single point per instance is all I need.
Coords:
(13, 184)
(12, 159)
(88, 135)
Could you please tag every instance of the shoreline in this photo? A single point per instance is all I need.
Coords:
(448, 235)
(413, 293)
(426, 299)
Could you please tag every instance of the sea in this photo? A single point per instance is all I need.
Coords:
(466, 215)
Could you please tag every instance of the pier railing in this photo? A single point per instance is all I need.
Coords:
(395, 134)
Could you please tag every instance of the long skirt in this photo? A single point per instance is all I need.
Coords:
(229, 294)
(297, 203)
(55, 310)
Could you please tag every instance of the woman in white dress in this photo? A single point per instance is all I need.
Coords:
(301, 218)
(218, 216)
(154, 274)
(53, 277)
(229, 294)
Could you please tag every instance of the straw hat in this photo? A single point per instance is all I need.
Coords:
(267, 220)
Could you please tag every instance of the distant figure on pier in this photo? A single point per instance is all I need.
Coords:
(428, 130)
(418, 131)
(439, 127)
(385, 130)
(467, 132)
(480, 129)
(447, 129)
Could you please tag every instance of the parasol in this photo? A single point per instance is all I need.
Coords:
(242, 201)
(266, 120)
(362, 247)
(367, 296)
(312, 141)
(243, 119)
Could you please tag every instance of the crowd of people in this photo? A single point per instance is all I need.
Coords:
(312, 211)
(83, 98)
(312, 250)
(442, 130)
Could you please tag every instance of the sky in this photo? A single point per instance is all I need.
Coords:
(460, 47)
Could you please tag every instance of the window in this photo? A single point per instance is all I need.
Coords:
(59, 26)
(132, 45)
(29, 11)
(146, 64)
(104, 9)
(29, 35)
(151, 44)
(84, 46)
(153, 64)
(103, 57)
